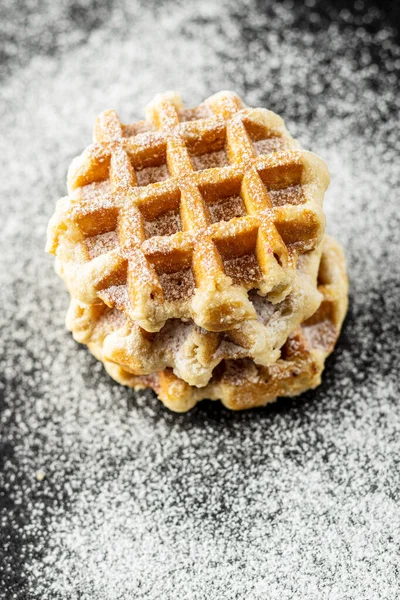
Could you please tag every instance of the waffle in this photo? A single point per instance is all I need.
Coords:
(192, 352)
(179, 216)
(242, 384)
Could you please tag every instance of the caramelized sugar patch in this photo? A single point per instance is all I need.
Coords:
(243, 269)
(149, 175)
(177, 286)
(290, 195)
(102, 243)
(210, 160)
(166, 224)
(226, 209)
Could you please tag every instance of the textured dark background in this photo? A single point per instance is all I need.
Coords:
(298, 500)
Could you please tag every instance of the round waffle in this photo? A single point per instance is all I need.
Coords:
(241, 383)
(179, 216)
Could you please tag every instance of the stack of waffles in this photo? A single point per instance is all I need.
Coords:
(192, 244)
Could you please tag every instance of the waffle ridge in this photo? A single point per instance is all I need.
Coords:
(232, 196)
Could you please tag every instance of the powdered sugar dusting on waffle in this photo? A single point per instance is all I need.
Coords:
(265, 310)
(116, 295)
(320, 336)
(290, 195)
(149, 175)
(227, 209)
(268, 145)
(192, 114)
(109, 502)
(243, 269)
(102, 243)
(166, 224)
(177, 286)
(172, 336)
(112, 320)
(210, 160)
(136, 128)
(229, 348)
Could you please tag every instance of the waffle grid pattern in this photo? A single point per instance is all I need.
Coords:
(233, 196)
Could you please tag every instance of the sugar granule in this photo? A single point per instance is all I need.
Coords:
(299, 500)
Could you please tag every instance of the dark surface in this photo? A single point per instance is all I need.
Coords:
(201, 475)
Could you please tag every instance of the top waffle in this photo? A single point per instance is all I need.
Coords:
(180, 215)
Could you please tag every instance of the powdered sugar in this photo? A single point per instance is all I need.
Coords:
(272, 144)
(243, 269)
(166, 224)
(99, 244)
(290, 195)
(177, 286)
(296, 501)
(227, 209)
(210, 160)
(152, 175)
(192, 114)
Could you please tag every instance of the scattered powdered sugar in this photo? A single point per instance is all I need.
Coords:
(299, 500)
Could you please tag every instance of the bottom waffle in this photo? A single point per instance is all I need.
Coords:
(241, 384)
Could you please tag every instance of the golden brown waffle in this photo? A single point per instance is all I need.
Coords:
(190, 351)
(241, 384)
(180, 215)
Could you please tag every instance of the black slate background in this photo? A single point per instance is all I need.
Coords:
(18, 48)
